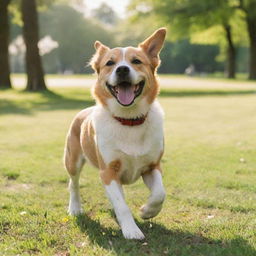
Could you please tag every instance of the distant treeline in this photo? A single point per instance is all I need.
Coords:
(72, 37)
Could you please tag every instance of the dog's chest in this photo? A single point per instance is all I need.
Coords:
(137, 148)
(133, 166)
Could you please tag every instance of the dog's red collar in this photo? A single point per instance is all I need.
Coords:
(131, 121)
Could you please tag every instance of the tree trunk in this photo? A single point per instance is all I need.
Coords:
(231, 54)
(251, 26)
(34, 68)
(4, 43)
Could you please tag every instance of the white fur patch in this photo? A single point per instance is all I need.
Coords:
(139, 107)
(74, 201)
(154, 182)
(136, 147)
(129, 228)
(135, 76)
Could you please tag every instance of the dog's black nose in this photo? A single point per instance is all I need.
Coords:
(122, 71)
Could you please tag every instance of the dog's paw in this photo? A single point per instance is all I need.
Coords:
(132, 232)
(148, 211)
(75, 210)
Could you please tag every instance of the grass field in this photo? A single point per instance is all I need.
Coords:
(209, 174)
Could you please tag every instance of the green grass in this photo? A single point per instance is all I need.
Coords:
(209, 174)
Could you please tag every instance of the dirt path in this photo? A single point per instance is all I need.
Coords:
(165, 81)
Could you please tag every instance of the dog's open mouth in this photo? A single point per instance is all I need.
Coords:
(126, 92)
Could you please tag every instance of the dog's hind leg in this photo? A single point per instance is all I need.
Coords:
(74, 161)
(153, 181)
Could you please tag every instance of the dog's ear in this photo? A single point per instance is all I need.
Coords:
(100, 46)
(101, 49)
(153, 45)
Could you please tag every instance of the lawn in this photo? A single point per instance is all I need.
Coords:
(209, 174)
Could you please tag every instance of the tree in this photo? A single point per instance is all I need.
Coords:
(105, 14)
(231, 52)
(76, 44)
(188, 17)
(35, 73)
(248, 7)
(175, 56)
(4, 42)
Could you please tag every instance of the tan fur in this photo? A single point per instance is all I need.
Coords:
(82, 126)
(73, 149)
(99, 91)
(111, 172)
(80, 140)
(152, 46)
(155, 166)
(88, 143)
(147, 52)
(151, 91)
(101, 49)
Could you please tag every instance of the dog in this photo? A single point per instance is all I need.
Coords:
(122, 135)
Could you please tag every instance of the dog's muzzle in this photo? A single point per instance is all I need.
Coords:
(125, 92)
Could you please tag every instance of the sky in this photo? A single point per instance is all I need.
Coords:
(118, 5)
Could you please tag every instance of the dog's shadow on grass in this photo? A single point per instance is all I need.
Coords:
(161, 241)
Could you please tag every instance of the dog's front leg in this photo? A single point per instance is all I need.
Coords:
(153, 181)
(124, 216)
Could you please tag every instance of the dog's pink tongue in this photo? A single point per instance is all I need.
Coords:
(126, 95)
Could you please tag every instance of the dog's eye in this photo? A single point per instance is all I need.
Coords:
(136, 61)
(110, 63)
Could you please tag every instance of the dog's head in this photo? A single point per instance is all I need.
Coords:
(127, 75)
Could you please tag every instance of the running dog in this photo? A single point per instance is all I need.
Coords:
(122, 135)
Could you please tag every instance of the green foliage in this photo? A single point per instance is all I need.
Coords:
(10, 175)
(185, 17)
(176, 57)
(242, 59)
(105, 14)
(14, 9)
(205, 22)
(248, 7)
(42, 5)
(133, 33)
(75, 35)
